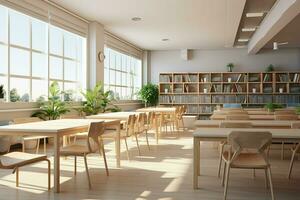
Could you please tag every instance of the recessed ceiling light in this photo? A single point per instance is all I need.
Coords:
(165, 39)
(259, 14)
(243, 40)
(136, 19)
(248, 29)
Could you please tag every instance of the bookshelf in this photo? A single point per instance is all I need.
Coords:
(201, 92)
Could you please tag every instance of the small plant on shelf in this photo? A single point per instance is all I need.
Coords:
(270, 68)
(230, 66)
(54, 107)
(272, 106)
(149, 94)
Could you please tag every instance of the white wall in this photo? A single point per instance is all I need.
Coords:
(216, 60)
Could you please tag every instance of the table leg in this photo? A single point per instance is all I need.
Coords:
(118, 146)
(57, 164)
(196, 161)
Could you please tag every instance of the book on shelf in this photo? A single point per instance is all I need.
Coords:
(239, 78)
(296, 78)
(267, 78)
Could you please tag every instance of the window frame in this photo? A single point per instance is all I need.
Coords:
(80, 63)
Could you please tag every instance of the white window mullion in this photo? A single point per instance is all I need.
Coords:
(8, 56)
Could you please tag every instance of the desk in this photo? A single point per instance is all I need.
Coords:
(113, 115)
(166, 110)
(220, 134)
(255, 123)
(58, 129)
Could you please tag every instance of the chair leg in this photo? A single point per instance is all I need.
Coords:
(104, 158)
(227, 180)
(87, 171)
(125, 140)
(45, 145)
(282, 151)
(49, 174)
(224, 174)
(266, 178)
(75, 138)
(23, 146)
(291, 164)
(146, 133)
(270, 182)
(137, 143)
(17, 177)
(37, 146)
(75, 165)
(220, 159)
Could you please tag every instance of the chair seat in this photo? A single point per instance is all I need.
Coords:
(33, 137)
(247, 160)
(74, 149)
(18, 159)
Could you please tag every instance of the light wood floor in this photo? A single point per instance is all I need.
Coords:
(163, 173)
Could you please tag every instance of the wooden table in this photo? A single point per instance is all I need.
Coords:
(167, 110)
(220, 134)
(57, 129)
(252, 117)
(113, 115)
(255, 123)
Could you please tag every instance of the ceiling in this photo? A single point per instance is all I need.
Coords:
(188, 24)
(289, 33)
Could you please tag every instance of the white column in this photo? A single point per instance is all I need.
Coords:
(146, 67)
(96, 45)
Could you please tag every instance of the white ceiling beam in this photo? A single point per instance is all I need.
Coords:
(283, 12)
(234, 15)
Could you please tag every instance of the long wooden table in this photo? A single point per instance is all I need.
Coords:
(124, 116)
(252, 117)
(167, 110)
(255, 123)
(57, 129)
(220, 134)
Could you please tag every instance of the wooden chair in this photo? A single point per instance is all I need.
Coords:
(15, 160)
(237, 117)
(28, 138)
(127, 131)
(179, 116)
(240, 141)
(295, 150)
(141, 127)
(96, 130)
(285, 117)
(222, 144)
(164, 122)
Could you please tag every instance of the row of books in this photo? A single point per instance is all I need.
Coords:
(206, 109)
(229, 99)
(192, 109)
(283, 78)
(260, 99)
(296, 78)
(286, 99)
(184, 99)
(165, 78)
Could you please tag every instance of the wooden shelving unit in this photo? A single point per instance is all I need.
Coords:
(201, 92)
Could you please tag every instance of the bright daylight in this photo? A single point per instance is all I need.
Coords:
(149, 99)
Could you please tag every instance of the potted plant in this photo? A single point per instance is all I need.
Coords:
(272, 106)
(149, 94)
(97, 101)
(230, 66)
(270, 68)
(2, 92)
(54, 107)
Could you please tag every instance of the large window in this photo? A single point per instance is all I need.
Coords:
(34, 53)
(122, 74)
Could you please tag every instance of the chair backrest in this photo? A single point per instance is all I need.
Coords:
(285, 112)
(24, 120)
(295, 125)
(237, 117)
(286, 117)
(141, 122)
(130, 125)
(245, 140)
(235, 125)
(96, 129)
(150, 119)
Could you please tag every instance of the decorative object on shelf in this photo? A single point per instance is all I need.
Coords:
(229, 79)
(97, 101)
(54, 107)
(149, 94)
(272, 106)
(2, 92)
(280, 90)
(204, 79)
(166, 90)
(253, 90)
(270, 68)
(205, 90)
(230, 66)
